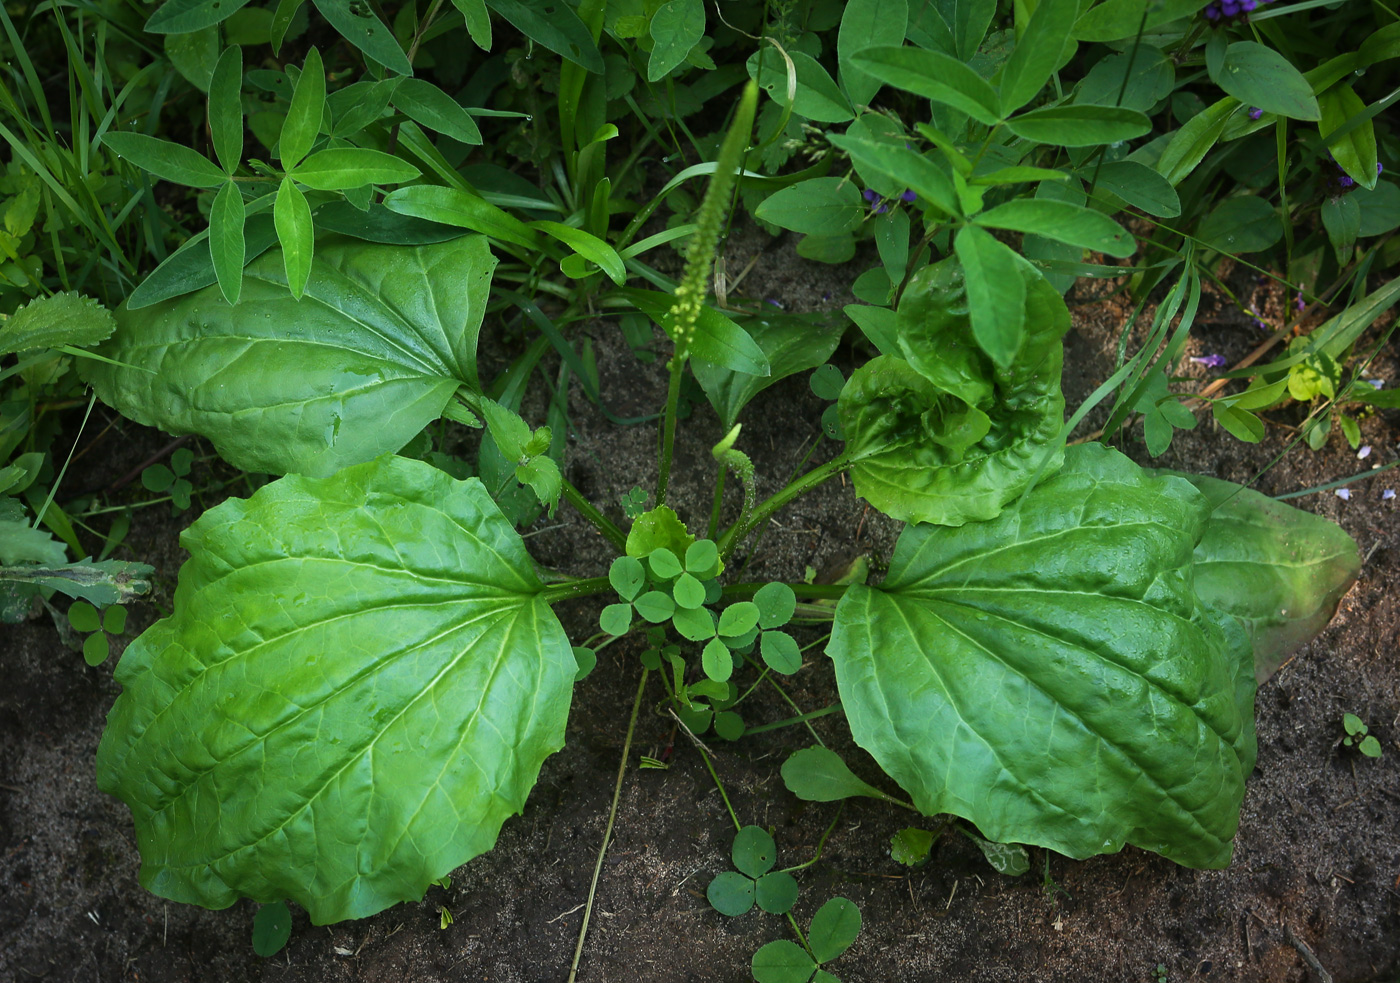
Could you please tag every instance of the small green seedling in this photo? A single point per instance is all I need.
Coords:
(159, 478)
(85, 618)
(1359, 736)
(1160, 973)
(735, 892)
(272, 927)
(911, 846)
(834, 927)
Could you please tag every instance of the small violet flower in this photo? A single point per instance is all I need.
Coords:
(1376, 383)
(1298, 301)
(1364, 452)
(1209, 361)
(1344, 494)
(1388, 494)
(908, 196)
(1255, 112)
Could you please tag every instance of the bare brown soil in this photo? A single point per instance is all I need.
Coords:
(1318, 854)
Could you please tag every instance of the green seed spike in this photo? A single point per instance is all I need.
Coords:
(700, 257)
(725, 453)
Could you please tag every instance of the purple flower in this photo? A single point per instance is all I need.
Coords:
(1376, 383)
(1344, 494)
(1298, 301)
(1379, 168)
(1346, 181)
(869, 195)
(1364, 452)
(1209, 361)
(908, 196)
(1254, 111)
(1388, 494)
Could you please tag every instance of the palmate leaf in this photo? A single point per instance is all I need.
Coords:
(370, 355)
(1051, 675)
(357, 688)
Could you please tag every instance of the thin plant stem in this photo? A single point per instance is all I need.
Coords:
(791, 721)
(821, 844)
(790, 702)
(719, 785)
(607, 832)
(668, 427)
(575, 588)
(590, 512)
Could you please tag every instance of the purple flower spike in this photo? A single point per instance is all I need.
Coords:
(1255, 112)
(1248, 6)
(1379, 168)
(908, 196)
(869, 195)
(1209, 361)
(881, 209)
(1345, 181)
(1344, 494)
(1388, 494)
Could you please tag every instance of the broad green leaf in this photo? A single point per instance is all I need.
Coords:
(658, 528)
(291, 213)
(449, 206)
(1258, 75)
(933, 75)
(877, 324)
(429, 106)
(385, 336)
(65, 318)
(754, 852)
(627, 576)
(867, 24)
(1052, 677)
(357, 687)
(188, 16)
(1189, 145)
(1079, 125)
(1244, 224)
(731, 893)
(717, 338)
(1380, 208)
(1063, 222)
(1114, 20)
(995, 294)
(676, 27)
(817, 206)
(1279, 570)
(947, 436)
(782, 961)
(272, 927)
(834, 927)
(166, 160)
(790, 345)
(1135, 79)
(303, 122)
(818, 774)
(340, 168)
(226, 244)
(1141, 187)
(1341, 217)
(100, 582)
(478, 21)
(1037, 53)
(195, 55)
(818, 98)
(780, 652)
(775, 893)
(226, 108)
(776, 604)
(555, 25)
(589, 246)
(356, 22)
(907, 167)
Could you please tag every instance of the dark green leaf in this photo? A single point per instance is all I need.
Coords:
(904, 166)
(83, 617)
(226, 246)
(834, 927)
(996, 294)
(114, 620)
(754, 851)
(866, 24)
(817, 206)
(303, 122)
(1162, 413)
(586, 660)
(428, 105)
(776, 604)
(272, 927)
(389, 336)
(1050, 674)
(1063, 222)
(717, 338)
(383, 226)
(1239, 225)
(450, 206)
(775, 893)
(341, 168)
(731, 893)
(356, 22)
(96, 648)
(1141, 187)
(1280, 570)
(588, 246)
(1135, 79)
(1341, 217)
(1380, 209)
(1258, 75)
(166, 160)
(782, 962)
(819, 775)
(1079, 126)
(478, 21)
(1037, 52)
(191, 267)
(1113, 20)
(780, 652)
(817, 98)
(790, 345)
(676, 27)
(555, 25)
(188, 16)
(226, 108)
(933, 75)
(1241, 424)
(354, 609)
(1190, 144)
(627, 577)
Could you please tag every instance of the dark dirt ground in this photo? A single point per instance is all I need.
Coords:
(1318, 852)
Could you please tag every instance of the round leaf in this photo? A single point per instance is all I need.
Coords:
(627, 577)
(96, 648)
(834, 927)
(730, 893)
(364, 666)
(729, 725)
(616, 619)
(780, 652)
(655, 606)
(157, 478)
(776, 604)
(782, 962)
(664, 564)
(272, 927)
(716, 660)
(754, 851)
(586, 659)
(695, 624)
(826, 381)
(83, 616)
(701, 558)
(688, 591)
(776, 893)
(114, 619)
(737, 619)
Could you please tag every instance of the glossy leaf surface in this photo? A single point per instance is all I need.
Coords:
(791, 345)
(1279, 570)
(357, 688)
(1051, 675)
(371, 354)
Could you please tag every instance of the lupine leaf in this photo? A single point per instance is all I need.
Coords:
(357, 23)
(555, 25)
(933, 75)
(866, 24)
(166, 160)
(188, 16)
(1258, 75)
(226, 244)
(428, 105)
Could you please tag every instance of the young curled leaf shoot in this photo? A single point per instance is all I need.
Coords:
(726, 454)
(700, 257)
